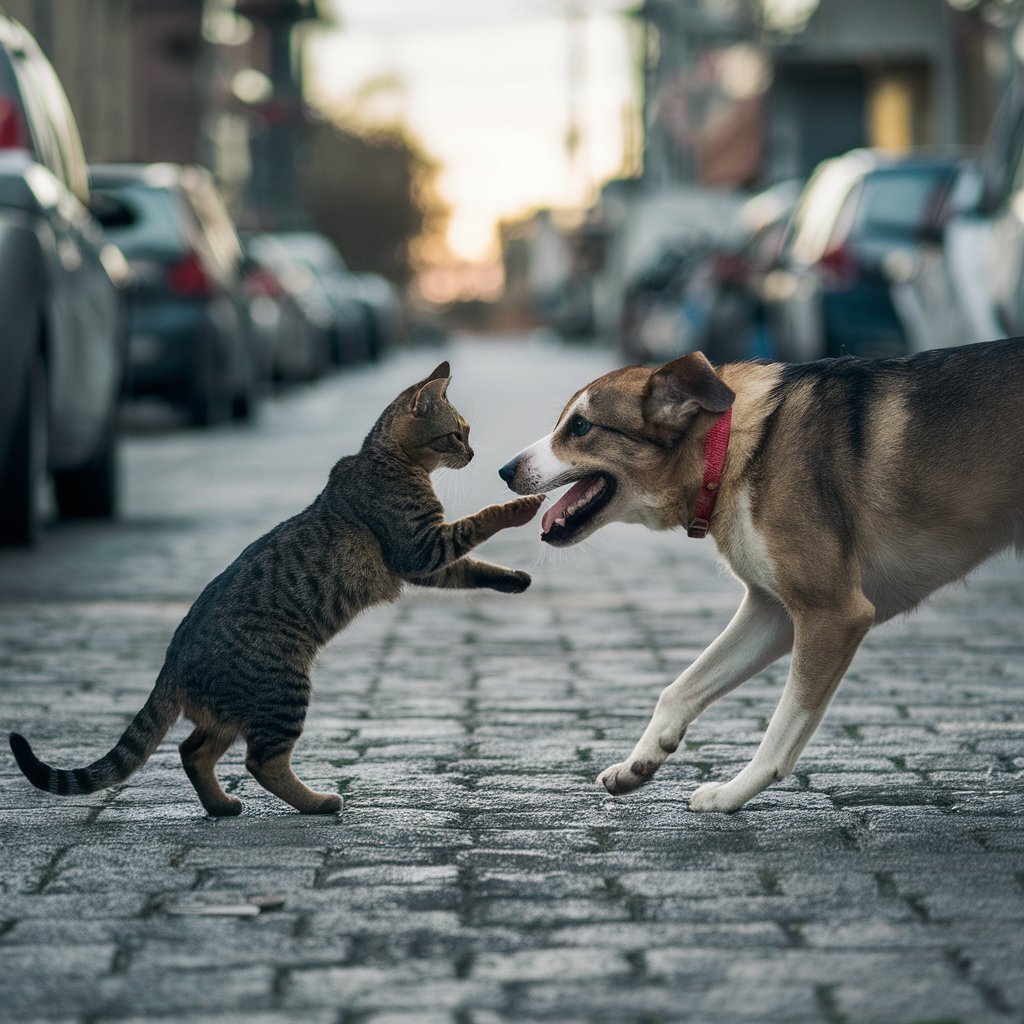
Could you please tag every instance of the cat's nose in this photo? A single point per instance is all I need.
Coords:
(508, 471)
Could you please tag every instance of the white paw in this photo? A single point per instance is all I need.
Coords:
(716, 796)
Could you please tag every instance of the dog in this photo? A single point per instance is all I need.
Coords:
(840, 492)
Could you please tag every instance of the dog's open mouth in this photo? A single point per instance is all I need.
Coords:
(576, 507)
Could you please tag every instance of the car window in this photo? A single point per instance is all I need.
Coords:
(66, 137)
(1004, 148)
(846, 217)
(215, 221)
(900, 202)
(815, 217)
(54, 132)
(1015, 166)
(139, 219)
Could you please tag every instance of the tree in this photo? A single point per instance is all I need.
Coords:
(371, 191)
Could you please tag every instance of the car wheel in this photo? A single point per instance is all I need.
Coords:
(91, 491)
(24, 476)
(208, 406)
(243, 404)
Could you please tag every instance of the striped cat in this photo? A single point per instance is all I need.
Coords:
(239, 662)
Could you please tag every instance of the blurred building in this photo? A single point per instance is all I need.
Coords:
(216, 82)
(744, 93)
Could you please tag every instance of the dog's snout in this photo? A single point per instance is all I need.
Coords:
(508, 471)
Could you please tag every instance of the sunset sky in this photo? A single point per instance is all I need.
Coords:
(484, 86)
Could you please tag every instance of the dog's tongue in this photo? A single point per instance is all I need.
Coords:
(557, 511)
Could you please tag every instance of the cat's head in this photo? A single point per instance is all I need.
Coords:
(428, 427)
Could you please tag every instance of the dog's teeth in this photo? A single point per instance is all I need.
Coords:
(560, 521)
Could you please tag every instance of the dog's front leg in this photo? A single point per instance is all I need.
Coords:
(825, 643)
(760, 632)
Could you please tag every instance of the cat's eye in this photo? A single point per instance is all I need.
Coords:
(579, 426)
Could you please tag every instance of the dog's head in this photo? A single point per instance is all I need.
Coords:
(621, 441)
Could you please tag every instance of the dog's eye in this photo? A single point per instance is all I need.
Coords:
(579, 426)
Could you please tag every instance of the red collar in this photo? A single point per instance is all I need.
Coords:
(715, 448)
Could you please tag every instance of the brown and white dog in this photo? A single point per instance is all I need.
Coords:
(851, 489)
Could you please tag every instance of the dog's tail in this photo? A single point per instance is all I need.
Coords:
(132, 751)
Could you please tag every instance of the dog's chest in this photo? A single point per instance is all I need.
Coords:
(744, 548)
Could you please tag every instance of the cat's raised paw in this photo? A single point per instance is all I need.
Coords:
(514, 582)
(520, 511)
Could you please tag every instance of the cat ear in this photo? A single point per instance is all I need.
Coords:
(442, 370)
(429, 395)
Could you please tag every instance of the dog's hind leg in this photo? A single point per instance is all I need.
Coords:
(826, 641)
(760, 632)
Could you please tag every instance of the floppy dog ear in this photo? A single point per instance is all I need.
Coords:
(680, 389)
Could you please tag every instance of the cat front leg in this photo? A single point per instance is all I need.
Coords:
(472, 574)
(434, 545)
(490, 520)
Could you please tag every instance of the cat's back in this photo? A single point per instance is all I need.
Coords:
(310, 574)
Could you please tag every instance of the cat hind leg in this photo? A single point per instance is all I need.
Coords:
(199, 755)
(271, 767)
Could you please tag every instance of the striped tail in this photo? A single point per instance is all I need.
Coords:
(133, 749)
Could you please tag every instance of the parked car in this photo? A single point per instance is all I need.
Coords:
(289, 310)
(737, 325)
(62, 349)
(353, 337)
(188, 339)
(666, 305)
(1001, 212)
(385, 316)
(851, 245)
(945, 298)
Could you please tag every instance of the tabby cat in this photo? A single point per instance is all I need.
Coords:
(239, 662)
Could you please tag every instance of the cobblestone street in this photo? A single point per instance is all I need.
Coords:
(477, 874)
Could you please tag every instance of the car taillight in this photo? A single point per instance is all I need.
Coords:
(188, 278)
(728, 268)
(261, 281)
(13, 128)
(839, 267)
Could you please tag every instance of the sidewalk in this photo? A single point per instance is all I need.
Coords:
(477, 874)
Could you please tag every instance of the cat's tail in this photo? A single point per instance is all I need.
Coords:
(132, 751)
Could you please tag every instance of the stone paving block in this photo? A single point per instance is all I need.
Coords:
(74, 960)
(410, 985)
(304, 1016)
(645, 936)
(74, 906)
(541, 912)
(550, 964)
(914, 999)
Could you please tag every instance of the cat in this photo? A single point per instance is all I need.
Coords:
(239, 662)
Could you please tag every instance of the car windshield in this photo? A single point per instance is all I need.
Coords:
(139, 219)
(899, 202)
(314, 251)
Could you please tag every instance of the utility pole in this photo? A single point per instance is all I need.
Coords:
(575, 135)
